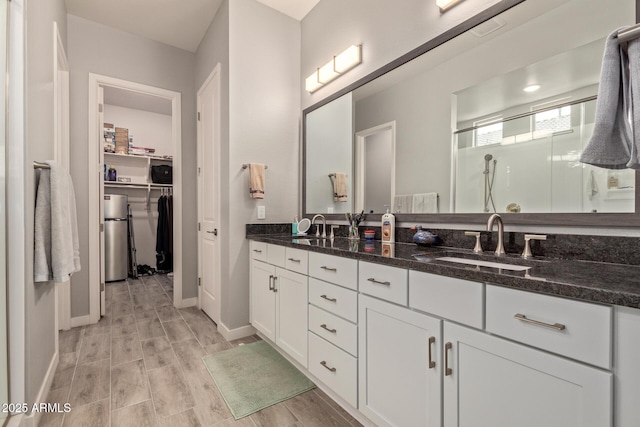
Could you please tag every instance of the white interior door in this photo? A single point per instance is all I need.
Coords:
(101, 198)
(208, 196)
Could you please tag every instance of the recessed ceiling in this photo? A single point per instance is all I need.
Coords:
(177, 23)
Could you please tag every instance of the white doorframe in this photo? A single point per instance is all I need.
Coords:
(96, 176)
(61, 155)
(213, 78)
(360, 161)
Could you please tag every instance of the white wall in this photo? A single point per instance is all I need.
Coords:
(40, 304)
(104, 50)
(260, 89)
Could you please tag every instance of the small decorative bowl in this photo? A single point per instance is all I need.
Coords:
(423, 237)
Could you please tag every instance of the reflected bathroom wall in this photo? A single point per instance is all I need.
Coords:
(497, 163)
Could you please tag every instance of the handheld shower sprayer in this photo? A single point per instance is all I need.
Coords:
(488, 182)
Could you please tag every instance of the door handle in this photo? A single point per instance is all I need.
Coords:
(432, 364)
(447, 370)
(274, 284)
(215, 233)
(271, 282)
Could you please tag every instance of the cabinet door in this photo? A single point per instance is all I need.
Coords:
(498, 383)
(292, 308)
(400, 366)
(263, 299)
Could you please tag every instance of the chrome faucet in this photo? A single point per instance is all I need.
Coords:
(324, 226)
(495, 217)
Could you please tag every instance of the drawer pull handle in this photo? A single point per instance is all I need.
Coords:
(257, 251)
(432, 364)
(324, 267)
(274, 284)
(328, 299)
(372, 280)
(555, 326)
(324, 326)
(323, 363)
(271, 284)
(294, 260)
(447, 370)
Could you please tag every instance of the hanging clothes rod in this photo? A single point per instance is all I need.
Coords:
(246, 165)
(629, 34)
(40, 165)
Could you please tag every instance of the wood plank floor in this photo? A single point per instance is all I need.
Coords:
(141, 366)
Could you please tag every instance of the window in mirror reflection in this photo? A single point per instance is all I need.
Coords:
(544, 151)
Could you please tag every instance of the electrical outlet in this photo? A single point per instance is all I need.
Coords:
(262, 212)
(330, 209)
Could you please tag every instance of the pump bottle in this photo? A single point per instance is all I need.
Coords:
(388, 227)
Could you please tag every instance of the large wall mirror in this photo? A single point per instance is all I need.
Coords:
(452, 134)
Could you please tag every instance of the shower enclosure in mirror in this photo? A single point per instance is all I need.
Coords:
(526, 167)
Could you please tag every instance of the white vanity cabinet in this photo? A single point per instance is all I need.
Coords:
(333, 324)
(400, 365)
(498, 383)
(279, 298)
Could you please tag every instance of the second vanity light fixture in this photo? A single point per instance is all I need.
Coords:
(340, 64)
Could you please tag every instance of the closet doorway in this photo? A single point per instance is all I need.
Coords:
(158, 113)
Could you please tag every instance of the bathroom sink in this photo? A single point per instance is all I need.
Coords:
(480, 263)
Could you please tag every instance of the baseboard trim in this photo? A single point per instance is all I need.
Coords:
(15, 421)
(33, 419)
(81, 321)
(237, 333)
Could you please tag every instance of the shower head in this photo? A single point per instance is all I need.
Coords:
(488, 157)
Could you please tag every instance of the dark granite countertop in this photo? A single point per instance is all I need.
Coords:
(599, 282)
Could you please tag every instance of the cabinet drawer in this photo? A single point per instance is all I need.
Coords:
(334, 367)
(334, 329)
(341, 271)
(276, 255)
(382, 281)
(574, 329)
(455, 299)
(296, 260)
(258, 250)
(340, 301)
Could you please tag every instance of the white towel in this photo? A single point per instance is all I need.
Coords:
(56, 244)
(610, 144)
(256, 180)
(340, 187)
(403, 203)
(425, 203)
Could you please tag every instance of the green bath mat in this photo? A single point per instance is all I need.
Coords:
(254, 376)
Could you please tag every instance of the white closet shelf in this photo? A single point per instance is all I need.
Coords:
(136, 185)
(135, 156)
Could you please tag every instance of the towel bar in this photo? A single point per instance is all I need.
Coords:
(628, 34)
(246, 165)
(39, 165)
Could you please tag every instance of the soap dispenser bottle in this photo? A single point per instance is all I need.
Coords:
(388, 227)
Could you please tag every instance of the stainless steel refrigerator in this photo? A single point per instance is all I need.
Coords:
(116, 250)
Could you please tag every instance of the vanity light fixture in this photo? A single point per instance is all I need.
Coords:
(446, 4)
(340, 64)
(531, 88)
